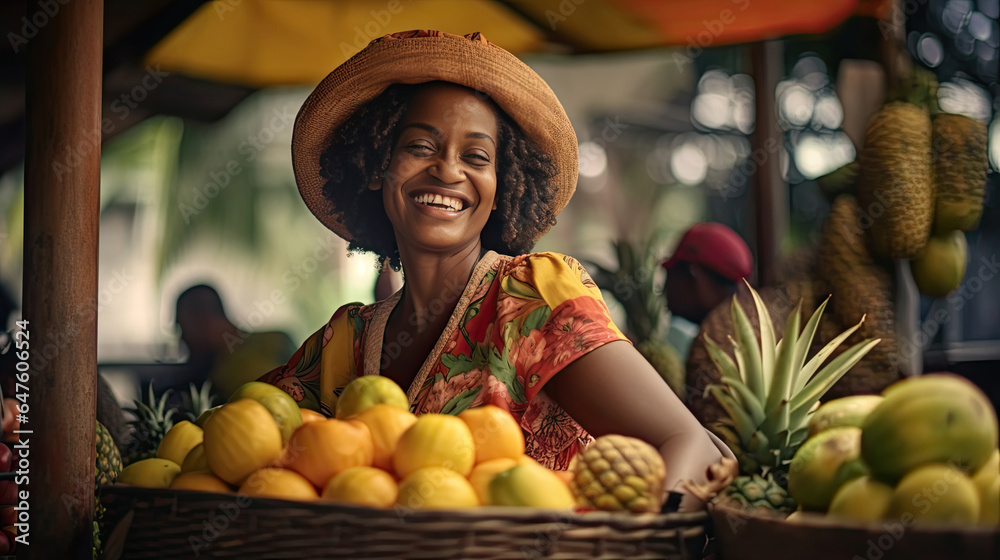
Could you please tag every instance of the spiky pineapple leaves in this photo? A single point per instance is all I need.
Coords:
(769, 389)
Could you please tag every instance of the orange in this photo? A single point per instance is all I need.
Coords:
(495, 433)
(483, 474)
(319, 450)
(435, 440)
(362, 486)
(278, 483)
(201, 481)
(387, 424)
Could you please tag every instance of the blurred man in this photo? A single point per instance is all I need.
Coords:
(704, 271)
(219, 351)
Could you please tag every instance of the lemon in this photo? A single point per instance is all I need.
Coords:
(179, 441)
(436, 488)
(150, 473)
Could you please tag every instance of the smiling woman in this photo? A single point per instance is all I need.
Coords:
(449, 157)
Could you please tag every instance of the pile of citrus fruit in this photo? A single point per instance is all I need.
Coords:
(923, 453)
(373, 453)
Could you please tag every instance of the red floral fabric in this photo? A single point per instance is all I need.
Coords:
(518, 322)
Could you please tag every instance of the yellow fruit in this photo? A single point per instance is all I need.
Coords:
(310, 415)
(387, 424)
(935, 494)
(989, 472)
(863, 499)
(531, 486)
(278, 483)
(483, 473)
(178, 441)
(845, 411)
(195, 461)
(989, 504)
(987, 481)
(369, 390)
(939, 268)
(436, 488)
(362, 486)
(201, 481)
(320, 450)
(495, 433)
(618, 473)
(150, 473)
(822, 465)
(280, 404)
(241, 438)
(526, 460)
(435, 440)
(937, 418)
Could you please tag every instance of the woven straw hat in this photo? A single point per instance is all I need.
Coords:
(414, 57)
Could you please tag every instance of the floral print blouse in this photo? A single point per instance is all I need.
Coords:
(517, 323)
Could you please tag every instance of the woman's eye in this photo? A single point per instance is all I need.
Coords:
(420, 148)
(478, 157)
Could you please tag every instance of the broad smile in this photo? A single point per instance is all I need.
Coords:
(443, 202)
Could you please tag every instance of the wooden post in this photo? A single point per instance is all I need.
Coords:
(61, 214)
(771, 194)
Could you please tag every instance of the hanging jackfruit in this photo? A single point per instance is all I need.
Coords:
(960, 160)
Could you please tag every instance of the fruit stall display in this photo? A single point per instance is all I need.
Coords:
(258, 477)
(914, 470)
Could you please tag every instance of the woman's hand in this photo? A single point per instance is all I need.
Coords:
(614, 390)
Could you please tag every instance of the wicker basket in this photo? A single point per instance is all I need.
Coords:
(743, 536)
(185, 524)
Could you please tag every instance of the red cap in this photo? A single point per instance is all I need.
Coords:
(715, 247)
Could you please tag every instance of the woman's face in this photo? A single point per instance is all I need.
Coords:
(441, 183)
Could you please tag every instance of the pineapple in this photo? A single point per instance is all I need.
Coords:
(197, 401)
(152, 421)
(109, 460)
(634, 287)
(768, 394)
(618, 473)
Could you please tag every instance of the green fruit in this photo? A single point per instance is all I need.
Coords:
(862, 499)
(530, 486)
(935, 494)
(939, 268)
(845, 411)
(823, 464)
(204, 416)
(280, 404)
(367, 391)
(929, 419)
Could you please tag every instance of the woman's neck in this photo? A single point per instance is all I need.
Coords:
(434, 283)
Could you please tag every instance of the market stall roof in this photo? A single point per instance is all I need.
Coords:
(209, 56)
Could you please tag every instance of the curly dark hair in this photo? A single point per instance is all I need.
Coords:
(360, 151)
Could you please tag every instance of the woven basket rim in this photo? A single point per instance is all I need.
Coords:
(496, 513)
(724, 506)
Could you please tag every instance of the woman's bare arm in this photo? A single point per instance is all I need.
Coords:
(614, 390)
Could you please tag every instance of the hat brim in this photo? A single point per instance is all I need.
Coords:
(477, 64)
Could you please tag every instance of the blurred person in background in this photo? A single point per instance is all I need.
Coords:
(704, 271)
(218, 351)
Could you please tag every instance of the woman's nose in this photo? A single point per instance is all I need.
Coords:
(447, 169)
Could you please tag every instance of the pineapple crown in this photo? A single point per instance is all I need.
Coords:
(633, 286)
(770, 389)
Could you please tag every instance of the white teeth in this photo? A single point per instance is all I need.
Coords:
(453, 204)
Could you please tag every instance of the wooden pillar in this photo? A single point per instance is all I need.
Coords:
(770, 192)
(61, 212)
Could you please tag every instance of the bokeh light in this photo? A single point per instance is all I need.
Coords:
(593, 159)
(688, 164)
